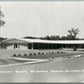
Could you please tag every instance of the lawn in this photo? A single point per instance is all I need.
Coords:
(61, 61)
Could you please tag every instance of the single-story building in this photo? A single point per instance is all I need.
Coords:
(40, 44)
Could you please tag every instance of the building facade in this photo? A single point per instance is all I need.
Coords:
(40, 44)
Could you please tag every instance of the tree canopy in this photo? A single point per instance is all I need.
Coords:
(73, 33)
(1, 18)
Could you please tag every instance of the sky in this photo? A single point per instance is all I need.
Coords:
(41, 18)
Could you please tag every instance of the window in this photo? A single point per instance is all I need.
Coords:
(15, 46)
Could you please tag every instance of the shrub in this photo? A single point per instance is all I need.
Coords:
(19, 54)
(52, 52)
(30, 54)
(14, 55)
(39, 53)
(25, 54)
(42, 53)
(74, 49)
(49, 52)
(34, 53)
(57, 51)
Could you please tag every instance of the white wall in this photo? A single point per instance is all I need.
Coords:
(10, 47)
(21, 47)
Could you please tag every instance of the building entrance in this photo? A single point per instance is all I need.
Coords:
(16, 46)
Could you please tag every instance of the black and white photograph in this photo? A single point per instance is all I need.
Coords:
(41, 41)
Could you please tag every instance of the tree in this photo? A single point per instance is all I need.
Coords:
(30, 37)
(64, 38)
(1, 18)
(73, 36)
(54, 37)
(47, 38)
(73, 33)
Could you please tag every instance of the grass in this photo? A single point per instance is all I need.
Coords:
(64, 64)
(4, 53)
(46, 54)
(33, 54)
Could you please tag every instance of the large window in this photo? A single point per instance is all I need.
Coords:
(30, 46)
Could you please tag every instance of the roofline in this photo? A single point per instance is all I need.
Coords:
(48, 41)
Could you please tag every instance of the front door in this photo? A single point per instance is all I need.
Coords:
(16, 46)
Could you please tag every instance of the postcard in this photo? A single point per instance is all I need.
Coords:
(41, 41)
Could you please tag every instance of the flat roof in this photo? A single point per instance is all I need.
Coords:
(16, 40)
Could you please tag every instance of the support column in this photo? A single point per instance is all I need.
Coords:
(27, 46)
(13, 45)
(18, 45)
(32, 46)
